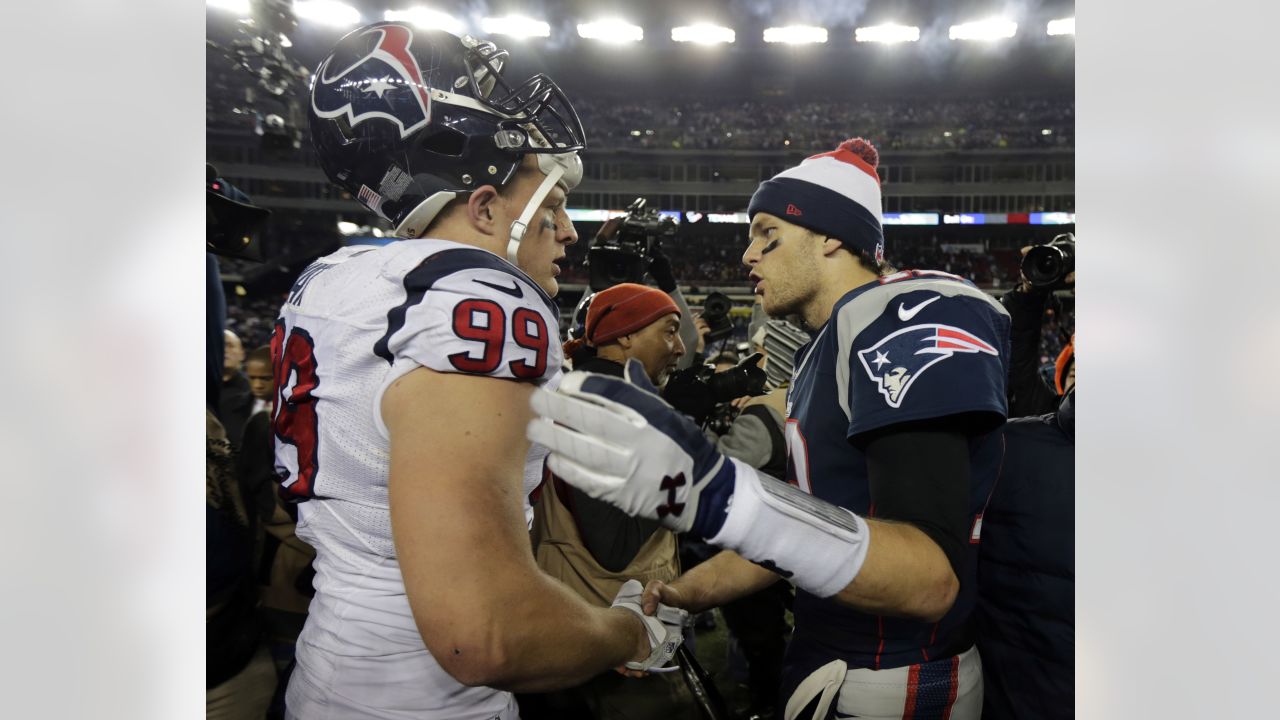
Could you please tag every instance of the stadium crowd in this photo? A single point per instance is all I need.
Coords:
(901, 124)
(739, 124)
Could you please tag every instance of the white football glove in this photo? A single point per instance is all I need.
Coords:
(617, 441)
(665, 628)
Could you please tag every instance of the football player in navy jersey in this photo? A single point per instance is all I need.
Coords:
(891, 457)
(403, 374)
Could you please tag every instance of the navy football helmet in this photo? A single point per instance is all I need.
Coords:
(407, 119)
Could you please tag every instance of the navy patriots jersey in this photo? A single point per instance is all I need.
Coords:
(910, 346)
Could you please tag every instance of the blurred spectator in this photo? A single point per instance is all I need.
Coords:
(257, 368)
(236, 401)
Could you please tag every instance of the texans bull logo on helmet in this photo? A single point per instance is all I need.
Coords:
(389, 84)
(901, 357)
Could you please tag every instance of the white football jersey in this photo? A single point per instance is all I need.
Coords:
(355, 321)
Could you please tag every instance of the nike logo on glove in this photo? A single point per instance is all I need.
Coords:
(903, 313)
(514, 291)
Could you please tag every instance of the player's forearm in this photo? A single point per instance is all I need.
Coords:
(558, 640)
(525, 633)
(725, 577)
(904, 574)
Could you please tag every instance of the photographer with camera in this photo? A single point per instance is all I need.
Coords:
(589, 545)
(624, 251)
(1045, 269)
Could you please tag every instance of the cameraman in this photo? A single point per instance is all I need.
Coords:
(1029, 394)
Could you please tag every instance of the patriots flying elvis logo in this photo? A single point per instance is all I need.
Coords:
(389, 86)
(899, 358)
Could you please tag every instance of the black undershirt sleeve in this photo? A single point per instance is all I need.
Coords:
(919, 474)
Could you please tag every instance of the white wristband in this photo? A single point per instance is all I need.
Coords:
(818, 546)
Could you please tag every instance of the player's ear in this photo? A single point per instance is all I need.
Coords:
(830, 245)
(481, 209)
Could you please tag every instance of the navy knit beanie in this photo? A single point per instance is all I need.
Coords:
(836, 194)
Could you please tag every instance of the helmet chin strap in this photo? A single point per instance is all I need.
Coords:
(565, 169)
(519, 227)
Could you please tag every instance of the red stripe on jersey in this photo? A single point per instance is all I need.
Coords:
(913, 684)
(953, 345)
(845, 156)
(880, 632)
(963, 337)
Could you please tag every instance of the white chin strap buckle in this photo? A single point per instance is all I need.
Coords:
(565, 169)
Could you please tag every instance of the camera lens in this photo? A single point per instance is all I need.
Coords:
(1046, 266)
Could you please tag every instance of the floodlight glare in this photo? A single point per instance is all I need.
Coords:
(611, 31)
(888, 33)
(239, 7)
(427, 19)
(703, 34)
(327, 12)
(795, 34)
(992, 29)
(515, 26)
(1064, 26)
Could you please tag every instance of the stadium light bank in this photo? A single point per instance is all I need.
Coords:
(427, 19)
(889, 34)
(517, 26)
(703, 34)
(1063, 26)
(613, 31)
(795, 34)
(991, 29)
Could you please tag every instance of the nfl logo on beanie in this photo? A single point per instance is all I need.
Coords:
(836, 194)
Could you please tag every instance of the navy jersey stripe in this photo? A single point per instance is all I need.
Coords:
(936, 691)
(440, 265)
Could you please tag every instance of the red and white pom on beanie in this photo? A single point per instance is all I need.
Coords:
(836, 194)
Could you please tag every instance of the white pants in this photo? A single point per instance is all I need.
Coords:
(950, 688)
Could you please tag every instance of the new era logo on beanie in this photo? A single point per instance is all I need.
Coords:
(835, 193)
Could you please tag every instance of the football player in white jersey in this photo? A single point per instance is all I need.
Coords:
(403, 375)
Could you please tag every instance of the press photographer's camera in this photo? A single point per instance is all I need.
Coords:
(1046, 266)
(715, 311)
(622, 249)
(696, 391)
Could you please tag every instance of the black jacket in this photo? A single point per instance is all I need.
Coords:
(1028, 392)
(1026, 572)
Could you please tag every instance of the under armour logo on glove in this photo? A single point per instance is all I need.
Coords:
(671, 484)
(617, 441)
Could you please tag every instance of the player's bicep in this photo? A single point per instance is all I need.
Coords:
(919, 474)
(457, 451)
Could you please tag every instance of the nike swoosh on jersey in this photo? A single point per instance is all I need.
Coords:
(514, 291)
(903, 313)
